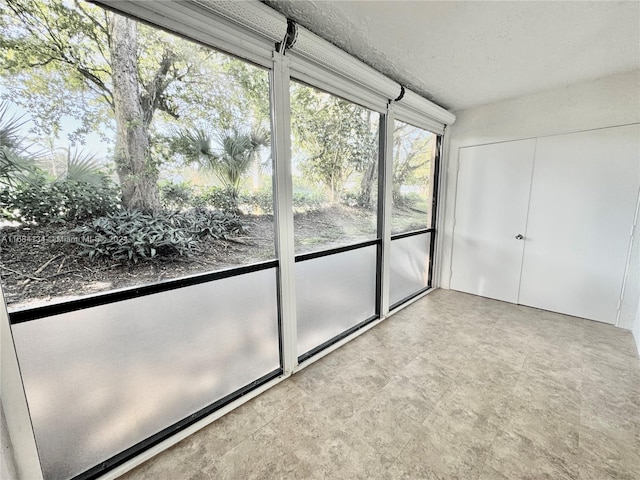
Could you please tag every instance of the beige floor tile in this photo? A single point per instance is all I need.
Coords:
(431, 379)
(452, 387)
(603, 456)
(446, 451)
(345, 456)
(315, 376)
(274, 401)
(186, 460)
(382, 423)
(262, 455)
(541, 387)
(226, 432)
(515, 455)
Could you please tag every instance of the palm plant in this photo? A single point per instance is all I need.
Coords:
(83, 167)
(16, 161)
(228, 154)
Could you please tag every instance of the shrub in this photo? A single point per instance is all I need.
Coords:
(133, 235)
(6, 212)
(176, 195)
(308, 201)
(260, 202)
(43, 201)
(407, 200)
(203, 223)
(351, 199)
(225, 199)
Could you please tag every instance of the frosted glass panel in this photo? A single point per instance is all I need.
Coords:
(409, 266)
(101, 379)
(333, 294)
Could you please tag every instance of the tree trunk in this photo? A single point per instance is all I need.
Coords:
(138, 176)
(367, 183)
(396, 180)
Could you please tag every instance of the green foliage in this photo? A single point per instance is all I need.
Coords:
(228, 155)
(54, 55)
(224, 199)
(15, 160)
(203, 223)
(57, 60)
(253, 92)
(353, 199)
(176, 195)
(83, 167)
(337, 138)
(413, 152)
(42, 200)
(308, 201)
(13, 167)
(133, 235)
(407, 200)
(261, 202)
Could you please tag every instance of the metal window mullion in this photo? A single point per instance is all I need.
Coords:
(385, 200)
(443, 168)
(434, 209)
(283, 198)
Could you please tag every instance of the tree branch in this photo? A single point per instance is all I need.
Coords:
(153, 98)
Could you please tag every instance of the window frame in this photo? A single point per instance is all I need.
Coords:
(236, 40)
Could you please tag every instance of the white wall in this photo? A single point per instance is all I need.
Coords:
(628, 315)
(636, 330)
(606, 102)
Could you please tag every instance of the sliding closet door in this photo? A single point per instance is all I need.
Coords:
(491, 215)
(583, 197)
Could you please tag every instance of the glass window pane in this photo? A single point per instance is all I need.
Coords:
(100, 380)
(409, 266)
(335, 170)
(333, 294)
(412, 183)
(137, 158)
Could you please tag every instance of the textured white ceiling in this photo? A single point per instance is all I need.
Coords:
(461, 54)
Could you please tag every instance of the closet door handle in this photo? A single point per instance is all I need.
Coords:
(519, 237)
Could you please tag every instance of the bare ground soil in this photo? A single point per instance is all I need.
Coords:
(38, 265)
(37, 268)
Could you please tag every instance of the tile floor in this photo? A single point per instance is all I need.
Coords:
(452, 387)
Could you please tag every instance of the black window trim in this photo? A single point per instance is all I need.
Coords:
(128, 293)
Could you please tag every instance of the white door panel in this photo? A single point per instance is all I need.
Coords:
(583, 196)
(491, 205)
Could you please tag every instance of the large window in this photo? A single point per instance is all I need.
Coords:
(138, 225)
(412, 183)
(335, 170)
(107, 380)
(130, 155)
(335, 199)
(412, 216)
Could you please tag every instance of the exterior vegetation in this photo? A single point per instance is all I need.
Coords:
(139, 147)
